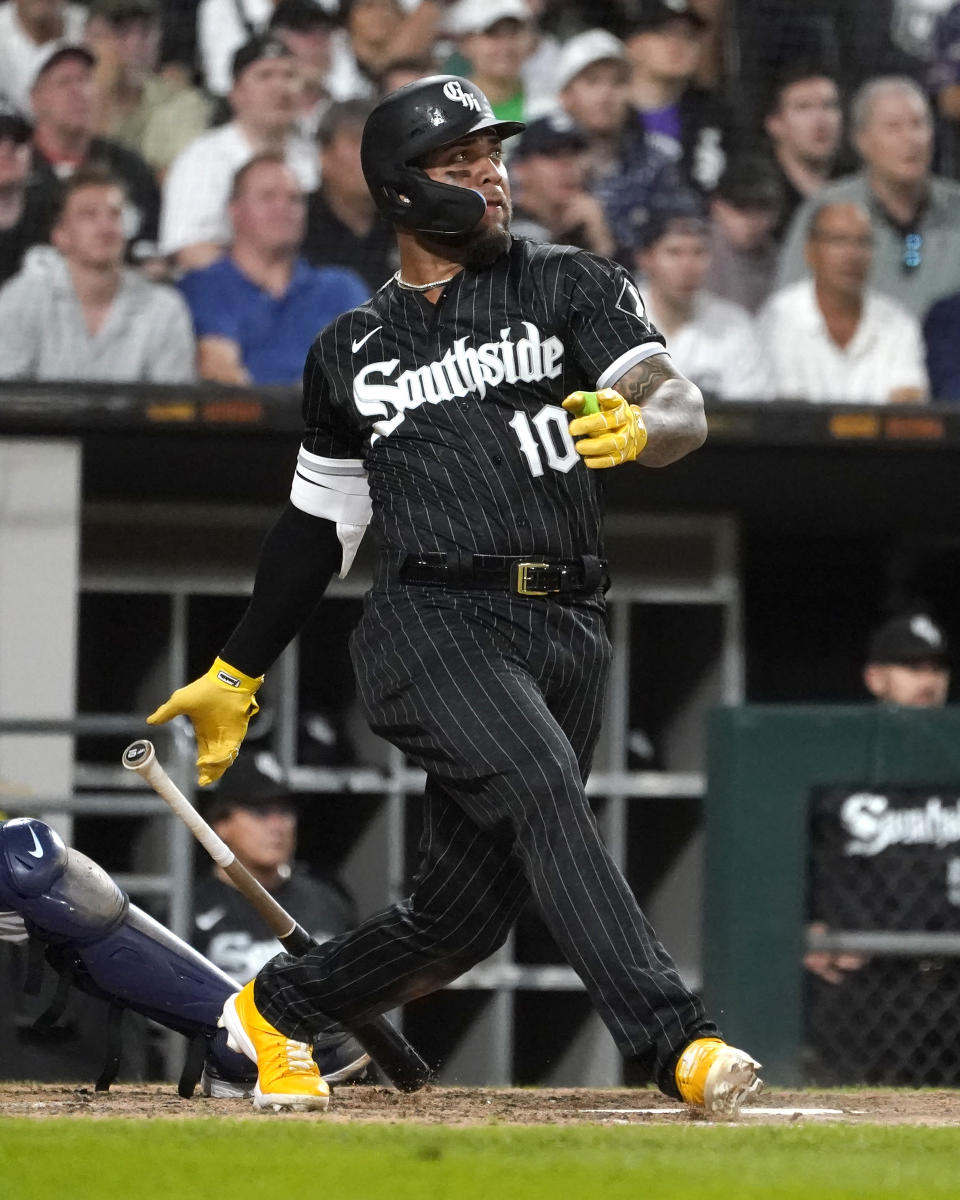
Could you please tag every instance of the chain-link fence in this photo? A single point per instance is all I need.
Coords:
(884, 1009)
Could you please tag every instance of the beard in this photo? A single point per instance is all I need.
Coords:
(479, 248)
(482, 247)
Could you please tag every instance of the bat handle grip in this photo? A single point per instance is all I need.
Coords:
(297, 942)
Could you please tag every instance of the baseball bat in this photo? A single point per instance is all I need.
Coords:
(388, 1048)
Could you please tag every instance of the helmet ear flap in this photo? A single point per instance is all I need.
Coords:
(423, 204)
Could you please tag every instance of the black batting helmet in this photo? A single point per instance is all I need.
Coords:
(410, 122)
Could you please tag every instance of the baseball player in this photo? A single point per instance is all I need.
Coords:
(439, 413)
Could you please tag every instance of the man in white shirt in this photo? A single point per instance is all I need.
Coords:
(76, 312)
(28, 28)
(194, 222)
(830, 337)
(712, 341)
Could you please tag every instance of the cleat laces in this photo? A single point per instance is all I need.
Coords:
(295, 1057)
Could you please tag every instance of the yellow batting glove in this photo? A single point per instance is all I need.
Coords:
(610, 430)
(220, 705)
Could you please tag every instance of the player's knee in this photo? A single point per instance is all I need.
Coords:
(60, 892)
(32, 856)
(550, 782)
(472, 928)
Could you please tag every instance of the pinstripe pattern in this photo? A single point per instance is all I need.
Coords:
(497, 698)
(452, 474)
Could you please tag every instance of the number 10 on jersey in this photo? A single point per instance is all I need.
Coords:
(545, 436)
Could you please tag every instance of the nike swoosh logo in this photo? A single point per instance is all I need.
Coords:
(207, 920)
(358, 344)
(38, 853)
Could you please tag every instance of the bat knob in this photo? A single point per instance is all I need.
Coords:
(137, 754)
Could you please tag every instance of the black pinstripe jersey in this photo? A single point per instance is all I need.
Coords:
(454, 407)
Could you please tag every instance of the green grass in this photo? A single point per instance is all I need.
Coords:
(71, 1159)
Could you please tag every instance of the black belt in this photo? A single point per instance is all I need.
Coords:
(532, 576)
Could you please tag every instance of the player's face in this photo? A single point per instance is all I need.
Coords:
(808, 121)
(840, 249)
(63, 96)
(262, 838)
(897, 141)
(597, 98)
(499, 52)
(90, 230)
(270, 211)
(914, 685)
(677, 265)
(475, 162)
(267, 93)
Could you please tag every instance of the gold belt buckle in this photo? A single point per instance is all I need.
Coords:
(523, 571)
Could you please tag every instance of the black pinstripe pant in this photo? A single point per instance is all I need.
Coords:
(499, 699)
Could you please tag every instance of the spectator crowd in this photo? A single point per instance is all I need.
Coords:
(181, 195)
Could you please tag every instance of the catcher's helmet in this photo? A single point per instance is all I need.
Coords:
(415, 119)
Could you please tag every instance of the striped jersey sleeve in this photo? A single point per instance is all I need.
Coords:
(609, 328)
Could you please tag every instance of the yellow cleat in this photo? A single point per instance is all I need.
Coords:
(716, 1077)
(288, 1077)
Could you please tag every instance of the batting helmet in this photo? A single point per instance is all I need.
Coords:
(410, 122)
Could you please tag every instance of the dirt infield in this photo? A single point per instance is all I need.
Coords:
(487, 1106)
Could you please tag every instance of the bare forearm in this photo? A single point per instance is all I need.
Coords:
(672, 410)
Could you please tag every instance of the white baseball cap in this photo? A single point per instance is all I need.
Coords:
(474, 16)
(582, 51)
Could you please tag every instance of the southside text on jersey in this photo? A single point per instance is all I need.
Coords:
(461, 371)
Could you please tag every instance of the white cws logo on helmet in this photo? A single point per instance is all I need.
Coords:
(454, 91)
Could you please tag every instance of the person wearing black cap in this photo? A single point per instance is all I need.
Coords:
(665, 42)
(908, 662)
(255, 813)
(553, 203)
(22, 221)
(745, 211)
(195, 224)
(154, 113)
(65, 138)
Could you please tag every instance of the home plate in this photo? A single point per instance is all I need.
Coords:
(750, 1110)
